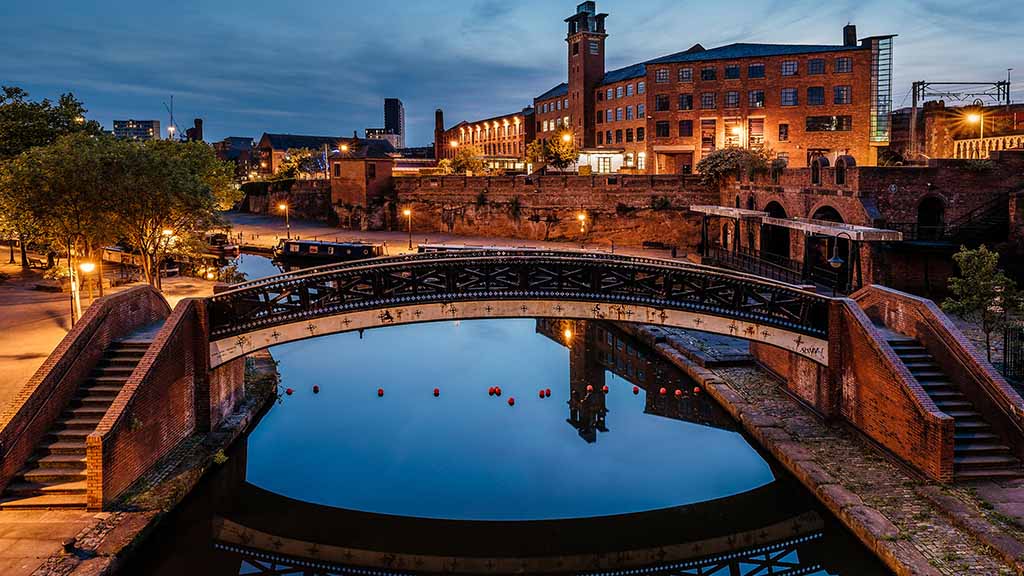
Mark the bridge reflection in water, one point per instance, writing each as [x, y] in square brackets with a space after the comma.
[234, 527]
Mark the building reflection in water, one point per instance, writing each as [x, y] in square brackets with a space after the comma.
[599, 347]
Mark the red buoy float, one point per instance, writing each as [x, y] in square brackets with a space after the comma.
[380, 392]
[511, 401]
[289, 391]
[437, 392]
[590, 388]
[679, 393]
[541, 393]
[490, 391]
[316, 389]
[636, 390]
[547, 392]
[497, 390]
[696, 389]
[663, 391]
[604, 389]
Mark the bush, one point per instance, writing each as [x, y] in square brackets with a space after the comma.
[721, 164]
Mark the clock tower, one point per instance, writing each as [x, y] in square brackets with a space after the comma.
[585, 41]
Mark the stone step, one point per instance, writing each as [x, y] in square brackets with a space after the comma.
[965, 436]
[987, 474]
[61, 461]
[68, 435]
[44, 502]
[959, 405]
[60, 447]
[125, 370]
[41, 488]
[100, 390]
[930, 386]
[909, 346]
[971, 425]
[51, 475]
[967, 448]
[91, 411]
[915, 356]
[130, 345]
[105, 379]
[930, 374]
[946, 393]
[86, 423]
[933, 380]
[96, 401]
[963, 414]
[972, 462]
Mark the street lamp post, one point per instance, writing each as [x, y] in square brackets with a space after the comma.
[287, 223]
[87, 268]
[978, 118]
[408, 223]
[836, 262]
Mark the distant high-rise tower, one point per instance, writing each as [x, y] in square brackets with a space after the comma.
[137, 129]
[394, 119]
[585, 37]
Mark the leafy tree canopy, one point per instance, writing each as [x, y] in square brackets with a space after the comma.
[725, 162]
[982, 293]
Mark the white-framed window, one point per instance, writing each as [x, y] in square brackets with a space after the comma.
[661, 75]
[629, 89]
[641, 160]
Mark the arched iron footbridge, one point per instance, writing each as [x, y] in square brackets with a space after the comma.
[514, 284]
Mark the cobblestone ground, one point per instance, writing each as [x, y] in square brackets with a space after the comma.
[882, 484]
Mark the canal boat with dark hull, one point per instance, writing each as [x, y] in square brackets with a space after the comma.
[319, 251]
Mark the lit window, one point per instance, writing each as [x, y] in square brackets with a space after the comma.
[686, 74]
[816, 66]
[790, 97]
[789, 68]
[829, 123]
[641, 160]
[844, 65]
[629, 159]
[661, 75]
[783, 132]
[843, 95]
[756, 99]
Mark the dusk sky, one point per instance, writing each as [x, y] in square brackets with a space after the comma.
[325, 67]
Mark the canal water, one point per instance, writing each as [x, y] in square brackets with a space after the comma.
[407, 455]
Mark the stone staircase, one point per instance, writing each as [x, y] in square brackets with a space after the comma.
[54, 476]
[978, 452]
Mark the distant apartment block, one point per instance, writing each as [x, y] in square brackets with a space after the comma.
[136, 129]
[394, 119]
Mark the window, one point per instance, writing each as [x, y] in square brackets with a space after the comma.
[843, 95]
[565, 104]
[629, 134]
[755, 99]
[755, 132]
[790, 97]
[789, 68]
[661, 75]
[610, 94]
[709, 73]
[629, 112]
[618, 92]
[708, 128]
[816, 96]
[595, 48]
[755, 71]
[661, 103]
[641, 87]
[640, 108]
[608, 137]
[732, 99]
[829, 123]
[600, 96]
[708, 100]
[609, 115]
[686, 101]
[575, 48]
[558, 123]
[844, 65]
[783, 132]
[629, 156]
[732, 72]
[661, 129]
[641, 160]
[337, 169]
[816, 66]
[600, 117]
[545, 126]
[600, 138]
[558, 105]
[640, 132]
[618, 136]
[686, 74]
[629, 89]
[618, 114]
[371, 170]
[604, 164]
[685, 128]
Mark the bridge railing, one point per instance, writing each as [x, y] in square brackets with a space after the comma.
[515, 275]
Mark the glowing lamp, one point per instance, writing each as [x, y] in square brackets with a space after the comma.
[974, 118]
[566, 138]
[736, 130]
[567, 334]
[344, 147]
[406, 212]
[87, 267]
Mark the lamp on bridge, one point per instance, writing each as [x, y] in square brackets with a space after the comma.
[836, 261]
[283, 207]
[408, 220]
[977, 118]
[582, 217]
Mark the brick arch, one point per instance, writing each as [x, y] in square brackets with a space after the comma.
[828, 204]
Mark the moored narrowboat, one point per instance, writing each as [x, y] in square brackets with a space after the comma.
[323, 251]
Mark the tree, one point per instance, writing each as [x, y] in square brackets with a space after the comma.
[537, 153]
[168, 194]
[725, 162]
[467, 160]
[562, 153]
[301, 161]
[982, 293]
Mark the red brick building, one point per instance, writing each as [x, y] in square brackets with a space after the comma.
[663, 115]
[500, 140]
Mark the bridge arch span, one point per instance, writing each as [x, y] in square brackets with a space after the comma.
[514, 284]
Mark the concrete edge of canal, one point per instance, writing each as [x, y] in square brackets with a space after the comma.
[897, 549]
[103, 548]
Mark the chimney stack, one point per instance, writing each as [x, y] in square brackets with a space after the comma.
[849, 35]
[439, 146]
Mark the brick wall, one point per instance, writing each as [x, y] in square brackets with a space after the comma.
[921, 319]
[47, 393]
[306, 199]
[628, 210]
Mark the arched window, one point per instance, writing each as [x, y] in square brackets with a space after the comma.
[775, 239]
[737, 201]
[751, 203]
[840, 172]
[817, 163]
